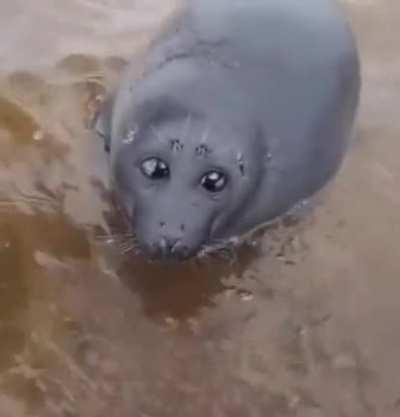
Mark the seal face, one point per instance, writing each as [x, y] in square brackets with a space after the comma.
[179, 185]
[244, 109]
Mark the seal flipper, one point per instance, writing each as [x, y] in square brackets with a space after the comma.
[102, 123]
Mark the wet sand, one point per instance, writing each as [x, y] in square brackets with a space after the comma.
[304, 325]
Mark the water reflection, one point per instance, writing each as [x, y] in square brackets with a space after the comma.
[181, 291]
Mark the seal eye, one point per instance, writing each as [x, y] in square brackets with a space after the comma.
[214, 181]
[154, 168]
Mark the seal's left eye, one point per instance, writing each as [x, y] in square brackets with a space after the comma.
[214, 181]
[154, 168]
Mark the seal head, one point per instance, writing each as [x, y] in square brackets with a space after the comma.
[177, 183]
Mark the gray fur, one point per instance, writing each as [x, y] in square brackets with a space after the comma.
[267, 90]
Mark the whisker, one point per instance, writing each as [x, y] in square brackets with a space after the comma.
[125, 242]
[131, 241]
[225, 249]
[126, 247]
[127, 250]
[134, 249]
[115, 236]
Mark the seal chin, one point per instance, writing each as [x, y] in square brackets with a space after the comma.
[167, 249]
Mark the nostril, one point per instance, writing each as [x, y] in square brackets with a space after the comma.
[162, 224]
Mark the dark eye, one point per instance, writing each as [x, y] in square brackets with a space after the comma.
[154, 168]
[214, 181]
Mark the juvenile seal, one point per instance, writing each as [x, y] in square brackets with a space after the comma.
[244, 109]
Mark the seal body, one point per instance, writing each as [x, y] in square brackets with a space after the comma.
[245, 108]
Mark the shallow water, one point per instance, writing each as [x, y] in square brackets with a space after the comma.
[306, 324]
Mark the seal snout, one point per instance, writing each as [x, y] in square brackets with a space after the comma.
[169, 247]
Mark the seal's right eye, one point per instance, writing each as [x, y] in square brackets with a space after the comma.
[154, 168]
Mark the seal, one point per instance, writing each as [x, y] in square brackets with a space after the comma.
[244, 108]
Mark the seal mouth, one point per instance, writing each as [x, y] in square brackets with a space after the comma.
[173, 251]
[169, 249]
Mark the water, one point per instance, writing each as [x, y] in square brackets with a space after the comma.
[305, 325]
